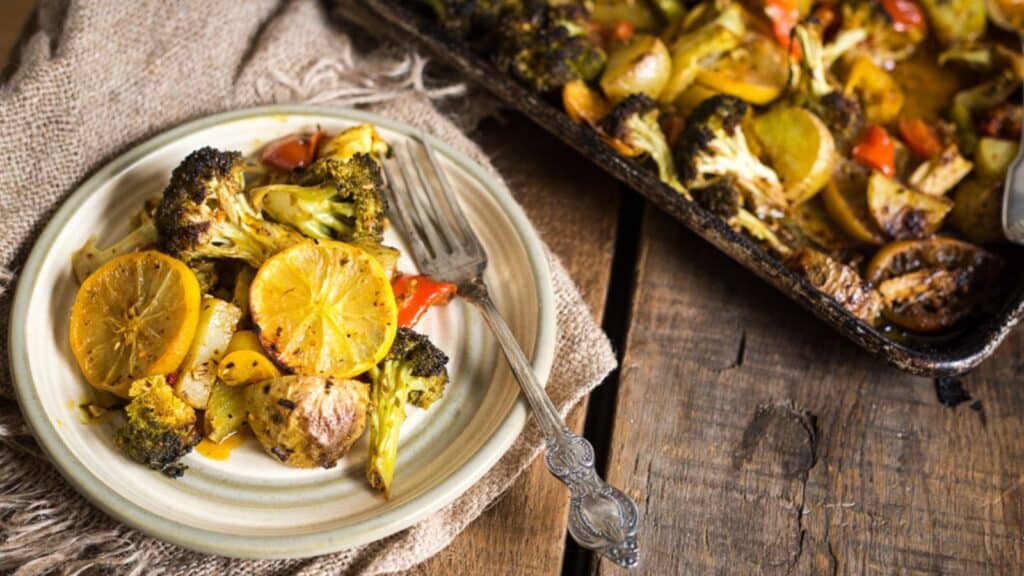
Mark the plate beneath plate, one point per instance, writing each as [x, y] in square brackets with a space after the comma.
[250, 505]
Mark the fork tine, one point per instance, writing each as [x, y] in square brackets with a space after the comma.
[419, 193]
[399, 195]
[451, 204]
[434, 202]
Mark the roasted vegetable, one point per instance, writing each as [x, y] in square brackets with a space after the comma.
[955, 21]
[89, 257]
[811, 86]
[204, 213]
[359, 139]
[641, 66]
[994, 156]
[412, 373]
[714, 145]
[940, 174]
[756, 72]
[546, 46]
[881, 98]
[928, 285]
[846, 201]
[217, 322]
[904, 213]
[335, 200]
[307, 421]
[243, 367]
[696, 50]
[584, 104]
[839, 281]
[972, 102]
[978, 210]
[633, 129]
[160, 428]
[722, 198]
[799, 147]
[472, 18]
[226, 412]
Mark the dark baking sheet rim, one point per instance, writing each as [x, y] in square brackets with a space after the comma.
[970, 348]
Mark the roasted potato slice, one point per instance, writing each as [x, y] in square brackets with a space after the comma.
[641, 66]
[904, 213]
[756, 72]
[846, 201]
[217, 322]
[977, 210]
[941, 173]
[929, 285]
[225, 413]
[799, 147]
[993, 156]
[307, 421]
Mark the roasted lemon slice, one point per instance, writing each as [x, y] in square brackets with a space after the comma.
[324, 308]
[132, 318]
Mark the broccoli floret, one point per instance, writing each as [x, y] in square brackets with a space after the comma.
[414, 373]
[721, 197]
[811, 86]
[160, 429]
[713, 145]
[89, 258]
[471, 19]
[634, 124]
[204, 213]
[547, 46]
[334, 200]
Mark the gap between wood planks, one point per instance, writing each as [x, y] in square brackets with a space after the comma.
[600, 417]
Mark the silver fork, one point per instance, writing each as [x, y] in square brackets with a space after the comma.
[601, 517]
[1013, 195]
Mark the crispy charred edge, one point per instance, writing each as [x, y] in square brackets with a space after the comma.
[636, 105]
[839, 281]
[425, 360]
[720, 197]
[189, 184]
[360, 180]
[720, 112]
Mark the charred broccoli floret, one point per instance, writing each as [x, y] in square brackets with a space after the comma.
[713, 146]
[204, 213]
[160, 427]
[546, 46]
[633, 123]
[414, 373]
[721, 197]
[812, 88]
[334, 200]
[471, 19]
[89, 258]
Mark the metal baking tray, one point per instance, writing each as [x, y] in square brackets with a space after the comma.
[947, 355]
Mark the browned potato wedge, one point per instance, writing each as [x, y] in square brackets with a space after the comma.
[942, 173]
[640, 67]
[846, 201]
[308, 421]
[225, 413]
[977, 210]
[799, 147]
[904, 213]
[217, 322]
[994, 156]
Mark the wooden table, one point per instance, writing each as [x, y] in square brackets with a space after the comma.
[756, 440]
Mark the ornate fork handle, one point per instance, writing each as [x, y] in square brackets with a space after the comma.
[601, 517]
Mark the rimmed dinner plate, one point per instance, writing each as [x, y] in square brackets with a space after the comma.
[250, 505]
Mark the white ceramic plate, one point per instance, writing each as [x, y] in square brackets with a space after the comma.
[250, 505]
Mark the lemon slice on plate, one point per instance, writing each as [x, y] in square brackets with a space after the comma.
[134, 317]
[324, 308]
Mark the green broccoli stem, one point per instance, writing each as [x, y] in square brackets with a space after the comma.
[388, 397]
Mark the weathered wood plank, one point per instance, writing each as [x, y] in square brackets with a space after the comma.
[760, 442]
[574, 207]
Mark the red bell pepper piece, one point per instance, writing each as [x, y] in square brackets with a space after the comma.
[906, 15]
[920, 138]
[415, 294]
[876, 150]
[784, 16]
[292, 152]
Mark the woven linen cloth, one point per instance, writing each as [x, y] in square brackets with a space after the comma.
[93, 77]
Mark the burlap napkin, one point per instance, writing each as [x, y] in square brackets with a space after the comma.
[95, 76]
